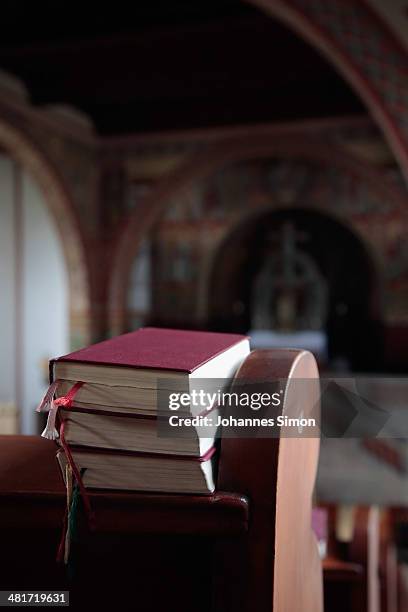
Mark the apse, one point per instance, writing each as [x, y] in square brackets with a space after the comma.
[300, 277]
[34, 296]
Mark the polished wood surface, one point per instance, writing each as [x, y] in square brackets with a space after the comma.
[37, 483]
[281, 569]
[337, 570]
[365, 549]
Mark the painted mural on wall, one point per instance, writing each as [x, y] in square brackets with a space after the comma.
[185, 242]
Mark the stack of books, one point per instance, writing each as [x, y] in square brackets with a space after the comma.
[111, 426]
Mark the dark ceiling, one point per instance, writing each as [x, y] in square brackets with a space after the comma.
[148, 66]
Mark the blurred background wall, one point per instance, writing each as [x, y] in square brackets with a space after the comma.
[34, 305]
[229, 165]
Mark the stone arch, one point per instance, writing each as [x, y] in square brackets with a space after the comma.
[364, 51]
[203, 165]
[343, 302]
[247, 218]
[26, 152]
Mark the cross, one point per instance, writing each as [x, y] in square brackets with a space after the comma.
[288, 238]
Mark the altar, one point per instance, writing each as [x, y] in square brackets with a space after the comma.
[289, 303]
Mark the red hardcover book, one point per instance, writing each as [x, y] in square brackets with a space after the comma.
[143, 471]
[106, 384]
[157, 349]
[123, 377]
[125, 373]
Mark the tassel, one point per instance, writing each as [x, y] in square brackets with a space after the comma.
[77, 497]
[47, 405]
[50, 432]
[46, 402]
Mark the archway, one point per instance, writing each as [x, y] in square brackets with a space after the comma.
[44, 277]
[300, 270]
[24, 150]
[361, 47]
[204, 166]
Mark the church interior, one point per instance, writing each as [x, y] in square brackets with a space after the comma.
[232, 166]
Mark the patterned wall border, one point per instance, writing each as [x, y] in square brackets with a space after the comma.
[356, 41]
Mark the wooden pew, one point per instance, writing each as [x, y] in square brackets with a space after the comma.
[250, 546]
[362, 573]
[388, 571]
[398, 526]
[349, 567]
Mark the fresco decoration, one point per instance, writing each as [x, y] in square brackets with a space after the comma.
[375, 54]
[199, 219]
[368, 54]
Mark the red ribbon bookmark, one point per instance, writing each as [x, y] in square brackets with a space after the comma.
[51, 432]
